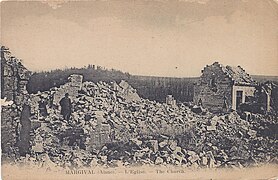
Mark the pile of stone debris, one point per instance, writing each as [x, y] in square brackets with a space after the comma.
[112, 126]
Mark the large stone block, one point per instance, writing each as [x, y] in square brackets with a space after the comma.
[76, 80]
[100, 136]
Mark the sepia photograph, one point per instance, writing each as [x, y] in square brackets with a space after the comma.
[139, 89]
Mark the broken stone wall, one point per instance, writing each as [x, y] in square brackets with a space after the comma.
[72, 88]
[269, 96]
[274, 98]
[9, 123]
[212, 88]
[14, 77]
[76, 80]
[99, 136]
[170, 100]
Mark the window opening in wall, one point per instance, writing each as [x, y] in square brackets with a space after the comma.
[212, 84]
[239, 95]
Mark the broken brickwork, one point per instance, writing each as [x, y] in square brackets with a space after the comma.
[76, 80]
[170, 100]
[212, 87]
[110, 127]
[220, 87]
[72, 88]
[14, 77]
[269, 96]
[99, 136]
[9, 124]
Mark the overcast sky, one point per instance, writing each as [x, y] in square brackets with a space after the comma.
[161, 38]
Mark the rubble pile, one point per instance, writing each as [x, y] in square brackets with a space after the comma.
[212, 141]
[112, 126]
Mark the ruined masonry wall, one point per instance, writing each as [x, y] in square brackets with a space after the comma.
[213, 96]
[14, 77]
[9, 123]
[72, 87]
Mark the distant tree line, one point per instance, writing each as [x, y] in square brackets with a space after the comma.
[157, 88]
[42, 81]
[153, 88]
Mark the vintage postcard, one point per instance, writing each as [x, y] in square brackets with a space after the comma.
[139, 89]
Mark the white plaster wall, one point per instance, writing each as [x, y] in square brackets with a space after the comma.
[246, 91]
